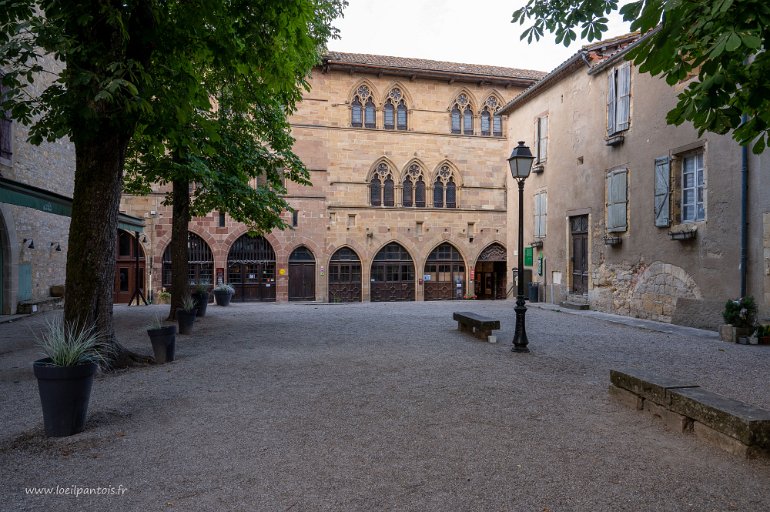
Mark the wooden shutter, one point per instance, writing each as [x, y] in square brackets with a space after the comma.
[611, 103]
[541, 207]
[662, 191]
[617, 200]
[542, 134]
[624, 97]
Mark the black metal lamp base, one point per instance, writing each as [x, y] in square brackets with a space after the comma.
[520, 341]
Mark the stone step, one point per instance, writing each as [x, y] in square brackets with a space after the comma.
[574, 305]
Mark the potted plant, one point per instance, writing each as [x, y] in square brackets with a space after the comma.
[200, 295]
[740, 316]
[763, 334]
[223, 293]
[163, 297]
[73, 353]
[163, 339]
[185, 315]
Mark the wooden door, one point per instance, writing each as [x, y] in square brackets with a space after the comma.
[301, 281]
[579, 257]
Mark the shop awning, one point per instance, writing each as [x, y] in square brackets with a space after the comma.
[21, 194]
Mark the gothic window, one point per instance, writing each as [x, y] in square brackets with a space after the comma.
[362, 111]
[491, 121]
[413, 187]
[462, 116]
[395, 110]
[200, 261]
[445, 189]
[381, 186]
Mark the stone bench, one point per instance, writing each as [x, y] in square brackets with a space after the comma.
[477, 325]
[732, 425]
[27, 307]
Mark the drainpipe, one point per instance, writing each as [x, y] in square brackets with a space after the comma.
[744, 211]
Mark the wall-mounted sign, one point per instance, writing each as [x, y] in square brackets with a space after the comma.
[281, 271]
[426, 277]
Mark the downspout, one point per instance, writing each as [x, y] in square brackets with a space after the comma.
[744, 211]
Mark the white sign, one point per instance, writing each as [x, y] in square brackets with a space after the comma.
[426, 277]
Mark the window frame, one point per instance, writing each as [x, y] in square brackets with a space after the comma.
[6, 130]
[619, 99]
[541, 139]
[698, 189]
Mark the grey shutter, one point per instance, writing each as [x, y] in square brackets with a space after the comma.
[537, 215]
[543, 141]
[662, 192]
[611, 103]
[617, 199]
[624, 97]
[543, 212]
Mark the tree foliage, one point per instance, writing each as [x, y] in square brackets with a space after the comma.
[146, 70]
[717, 46]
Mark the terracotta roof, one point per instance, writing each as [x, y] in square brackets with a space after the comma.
[422, 65]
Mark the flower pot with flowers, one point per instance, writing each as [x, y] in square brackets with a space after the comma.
[740, 316]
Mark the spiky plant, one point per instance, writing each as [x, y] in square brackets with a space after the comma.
[69, 344]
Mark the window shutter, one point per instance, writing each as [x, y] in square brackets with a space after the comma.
[617, 199]
[611, 104]
[543, 156]
[624, 97]
[541, 206]
[662, 192]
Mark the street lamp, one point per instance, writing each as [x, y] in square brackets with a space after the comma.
[520, 162]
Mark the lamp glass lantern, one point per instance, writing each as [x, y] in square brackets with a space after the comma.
[520, 161]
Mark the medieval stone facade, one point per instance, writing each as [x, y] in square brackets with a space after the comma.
[407, 161]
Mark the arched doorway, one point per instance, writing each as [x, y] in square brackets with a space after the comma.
[301, 274]
[392, 275]
[200, 261]
[444, 274]
[345, 276]
[490, 273]
[251, 269]
[126, 268]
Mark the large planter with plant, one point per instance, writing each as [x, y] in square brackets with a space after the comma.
[740, 316]
[223, 293]
[163, 339]
[200, 295]
[185, 315]
[65, 376]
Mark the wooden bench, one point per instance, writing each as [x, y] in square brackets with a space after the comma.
[477, 325]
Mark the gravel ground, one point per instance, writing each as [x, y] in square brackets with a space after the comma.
[382, 407]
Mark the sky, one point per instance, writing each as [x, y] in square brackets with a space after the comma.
[473, 32]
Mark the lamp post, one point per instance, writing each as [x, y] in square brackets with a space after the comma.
[520, 162]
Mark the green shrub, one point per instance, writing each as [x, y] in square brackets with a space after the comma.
[741, 312]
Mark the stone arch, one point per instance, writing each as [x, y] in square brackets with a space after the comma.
[393, 273]
[375, 93]
[359, 98]
[345, 281]
[492, 251]
[492, 102]
[382, 181]
[444, 176]
[657, 289]
[9, 247]
[472, 101]
[404, 90]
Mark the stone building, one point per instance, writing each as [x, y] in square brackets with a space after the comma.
[627, 213]
[408, 202]
[36, 184]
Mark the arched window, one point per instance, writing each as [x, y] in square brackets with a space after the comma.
[251, 269]
[490, 113]
[461, 111]
[345, 276]
[362, 110]
[199, 258]
[381, 186]
[395, 110]
[392, 275]
[413, 188]
[444, 188]
[446, 274]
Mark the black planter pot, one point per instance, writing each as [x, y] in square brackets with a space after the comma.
[163, 343]
[64, 395]
[185, 319]
[201, 301]
[222, 298]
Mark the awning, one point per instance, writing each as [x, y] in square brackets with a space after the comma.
[21, 194]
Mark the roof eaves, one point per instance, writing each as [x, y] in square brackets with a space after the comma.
[565, 67]
[620, 55]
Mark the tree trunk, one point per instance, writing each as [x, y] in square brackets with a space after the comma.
[93, 231]
[180, 286]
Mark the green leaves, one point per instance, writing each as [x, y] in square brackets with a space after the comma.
[717, 45]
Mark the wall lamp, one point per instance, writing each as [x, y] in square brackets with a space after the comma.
[31, 243]
[58, 246]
